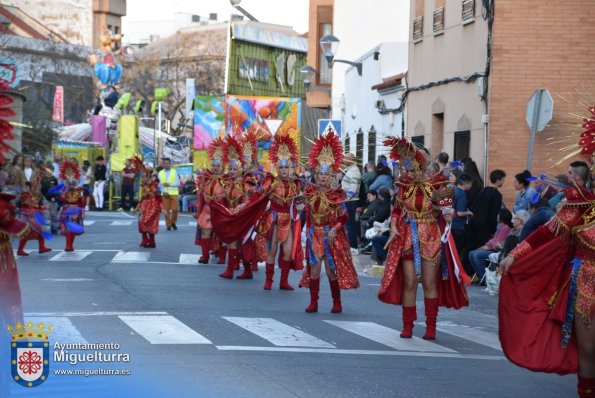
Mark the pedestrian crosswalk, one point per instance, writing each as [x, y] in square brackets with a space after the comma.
[231, 333]
[128, 222]
[119, 256]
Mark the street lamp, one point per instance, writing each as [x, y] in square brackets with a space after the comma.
[329, 45]
[307, 73]
[236, 5]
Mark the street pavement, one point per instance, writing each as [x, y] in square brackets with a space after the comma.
[190, 333]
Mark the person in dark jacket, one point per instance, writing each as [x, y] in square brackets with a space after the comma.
[485, 212]
[541, 212]
[379, 213]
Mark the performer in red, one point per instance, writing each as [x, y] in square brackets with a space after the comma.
[547, 291]
[416, 243]
[281, 224]
[10, 291]
[234, 195]
[325, 225]
[30, 213]
[73, 203]
[210, 187]
[149, 205]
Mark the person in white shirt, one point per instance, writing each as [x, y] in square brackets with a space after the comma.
[28, 168]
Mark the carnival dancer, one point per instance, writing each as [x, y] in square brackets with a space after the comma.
[30, 212]
[210, 187]
[325, 225]
[547, 291]
[282, 224]
[149, 205]
[73, 203]
[420, 245]
[10, 291]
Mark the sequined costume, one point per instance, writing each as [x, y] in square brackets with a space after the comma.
[73, 203]
[149, 211]
[10, 291]
[551, 282]
[30, 212]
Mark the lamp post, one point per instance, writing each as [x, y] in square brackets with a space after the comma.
[236, 5]
[329, 45]
[307, 73]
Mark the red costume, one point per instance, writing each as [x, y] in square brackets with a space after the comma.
[210, 188]
[30, 211]
[149, 205]
[418, 220]
[73, 203]
[10, 291]
[325, 213]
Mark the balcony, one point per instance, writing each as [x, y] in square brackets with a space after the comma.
[468, 11]
[418, 29]
[438, 21]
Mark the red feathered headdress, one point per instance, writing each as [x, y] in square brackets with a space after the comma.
[249, 142]
[327, 152]
[403, 150]
[5, 126]
[232, 151]
[283, 149]
[68, 170]
[137, 164]
[587, 141]
[215, 151]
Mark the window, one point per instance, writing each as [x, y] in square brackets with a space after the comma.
[438, 24]
[462, 143]
[359, 149]
[109, 28]
[116, 29]
[468, 11]
[347, 143]
[372, 144]
[324, 76]
[418, 31]
[419, 140]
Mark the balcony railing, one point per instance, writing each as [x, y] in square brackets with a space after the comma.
[468, 11]
[418, 29]
[438, 24]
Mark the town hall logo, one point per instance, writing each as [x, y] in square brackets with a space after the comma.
[30, 358]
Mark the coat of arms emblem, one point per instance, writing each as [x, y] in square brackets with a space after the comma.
[30, 358]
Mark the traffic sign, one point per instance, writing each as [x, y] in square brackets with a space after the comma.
[326, 126]
[540, 109]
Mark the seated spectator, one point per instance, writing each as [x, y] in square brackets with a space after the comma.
[379, 213]
[541, 212]
[521, 183]
[383, 177]
[369, 175]
[478, 257]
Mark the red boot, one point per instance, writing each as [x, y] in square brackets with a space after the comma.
[151, 244]
[42, 246]
[247, 274]
[336, 294]
[255, 266]
[269, 272]
[21, 251]
[314, 290]
[586, 387]
[222, 253]
[283, 283]
[409, 315]
[234, 261]
[431, 307]
[145, 240]
[205, 247]
[69, 242]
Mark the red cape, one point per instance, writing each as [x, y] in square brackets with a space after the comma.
[530, 330]
[230, 227]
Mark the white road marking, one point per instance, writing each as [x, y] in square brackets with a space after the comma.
[192, 223]
[362, 352]
[389, 337]
[67, 279]
[87, 223]
[124, 222]
[131, 257]
[93, 313]
[162, 223]
[77, 255]
[278, 333]
[63, 329]
[475, 335]
[164, 329]
[189, 258]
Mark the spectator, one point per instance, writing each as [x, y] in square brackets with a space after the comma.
[442, 160]
[351, 184]
[383, 177]
[189, 193]
[378, 213]
[100, 177]
[462, 212]
[519, 219]
[541, 212]
[478, 257]
[523, 198]
[561, 182]
[453, 176]
[470, 168]
[485, 211]
[16, 179]
[128, 176]
[432, 170]
[56, 165]
[369, 175]
[87, 182]
[28, 169]
[3, 176]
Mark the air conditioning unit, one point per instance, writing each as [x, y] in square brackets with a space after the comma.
[380, 104]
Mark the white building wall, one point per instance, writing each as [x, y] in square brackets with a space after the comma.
[361, 25]
[359, 111]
